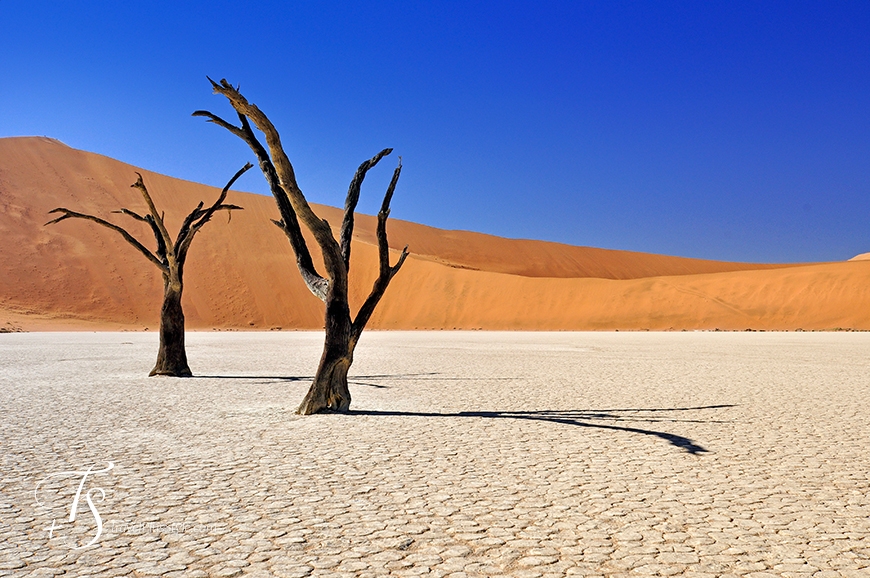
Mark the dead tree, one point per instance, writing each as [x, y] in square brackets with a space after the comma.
[329, 391]
[169, 258]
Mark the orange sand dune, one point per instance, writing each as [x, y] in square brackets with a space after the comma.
[241, 273]
[467, 250]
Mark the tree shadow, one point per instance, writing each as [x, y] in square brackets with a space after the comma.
[579, 418]
[243, 377]
[352, 380]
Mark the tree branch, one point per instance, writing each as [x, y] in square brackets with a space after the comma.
[213, 118]
[284, 168]
[386, 272]
[161, 245]
[184, 231]
[383, 215]
[351, 202]
[149, 219]
[67, 214]
[289, 222]
[199, 217]
[158, 219]
[130, 213]
[204, 216]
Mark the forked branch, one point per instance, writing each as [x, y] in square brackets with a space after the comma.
[351, 202]
[289, 223]
[386, 271]
[199, 216]
[287, 177]
[158, 218]
[68, 214]
[158, 236]
[168, 255]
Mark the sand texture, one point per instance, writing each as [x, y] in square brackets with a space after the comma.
[467, 455]
[241, 274]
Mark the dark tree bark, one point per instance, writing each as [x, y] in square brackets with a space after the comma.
[172, 354]
[329, 391]
[169, 257]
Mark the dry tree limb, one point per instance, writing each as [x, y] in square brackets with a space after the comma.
[386, 271]
[289, 223]
[68, 214]
[351, 201]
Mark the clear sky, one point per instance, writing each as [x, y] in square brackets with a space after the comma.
[723, 130]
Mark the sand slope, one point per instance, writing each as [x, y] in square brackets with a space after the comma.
[241, 274]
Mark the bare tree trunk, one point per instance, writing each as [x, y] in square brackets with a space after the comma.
[329, 391]
[172, 356]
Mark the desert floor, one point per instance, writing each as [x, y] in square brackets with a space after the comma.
[468, 453]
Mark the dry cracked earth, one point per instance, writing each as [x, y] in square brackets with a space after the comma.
[466, 454]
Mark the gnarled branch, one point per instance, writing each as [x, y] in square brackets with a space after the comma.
[199, 216]
[386, 272]
[158, 219]
[289, 223]
[287, 178]
[149, 219]
[68, 214]
[130, 213]
[213, 118]
[351, 202]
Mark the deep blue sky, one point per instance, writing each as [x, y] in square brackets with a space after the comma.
[722, 130]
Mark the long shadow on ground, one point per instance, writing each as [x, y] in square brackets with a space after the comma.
[352, 380]
[578, 418]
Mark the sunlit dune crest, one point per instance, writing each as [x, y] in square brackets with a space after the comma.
[242, 274]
